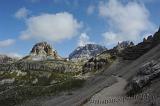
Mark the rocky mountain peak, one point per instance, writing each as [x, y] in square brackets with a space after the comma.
[43, 51]
[86, 52]
[42, 48]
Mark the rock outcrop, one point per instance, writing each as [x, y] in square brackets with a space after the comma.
[98, 62]
[86, 52]
[148, 72]
[42, 51]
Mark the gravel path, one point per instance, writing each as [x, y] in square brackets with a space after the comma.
[107, 96]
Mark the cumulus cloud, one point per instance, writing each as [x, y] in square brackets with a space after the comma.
[51, 27]
[22, 13]
[8, 42]
[84, 39]
[90, 9]
[126, 21]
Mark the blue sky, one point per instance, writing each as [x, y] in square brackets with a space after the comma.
[66, 24]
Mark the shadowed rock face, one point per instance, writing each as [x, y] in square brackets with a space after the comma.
[132, 53]
[42, 51]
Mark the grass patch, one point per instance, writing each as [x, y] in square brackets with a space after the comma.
[24, 89]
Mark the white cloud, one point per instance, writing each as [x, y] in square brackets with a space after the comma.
[24, 36]
[110, 38]
[90, 9]
[126, 21]
[22, 13]
[7, 42]
[84, 39]
[51, 27]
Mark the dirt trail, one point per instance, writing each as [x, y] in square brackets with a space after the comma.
[113, 92]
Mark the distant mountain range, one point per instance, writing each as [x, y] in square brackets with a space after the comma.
[43, 51]
[7, 59]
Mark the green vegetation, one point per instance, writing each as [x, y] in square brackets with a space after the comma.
[33, 84]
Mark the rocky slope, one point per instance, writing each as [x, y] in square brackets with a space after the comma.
[142, 78]
[147, 73]
[143, 73]
[42, 51]
[86, 52]
[132, 53]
